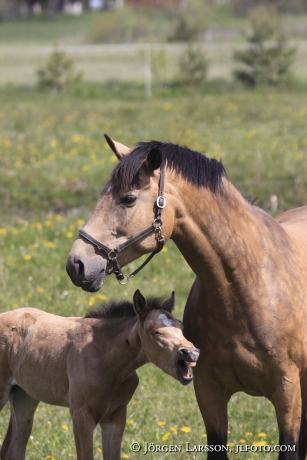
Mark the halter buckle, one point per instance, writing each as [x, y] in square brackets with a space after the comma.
[161, 202]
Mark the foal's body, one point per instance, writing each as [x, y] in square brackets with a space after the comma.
[87, 364]
[247, 310]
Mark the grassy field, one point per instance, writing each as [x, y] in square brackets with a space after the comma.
[53, 163]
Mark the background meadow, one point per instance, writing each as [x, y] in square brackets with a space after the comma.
[53, 163]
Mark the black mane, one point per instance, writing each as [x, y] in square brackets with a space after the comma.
[191, 165]
[120, 309]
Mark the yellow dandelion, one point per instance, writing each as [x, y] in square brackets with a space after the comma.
[130, 421]
[58, 218]
[77, 138]
[91, 301]
[204, 435]
[49, 457]
[64, 427]
[173, 429]
[259, 443]
[49, 244]
[48, 223]
[248, 433]
[261, 435]
[242, 440]
[126, 456]
[27, 257]
[230, 444]
[99, 450]
[186, 429]
[164, 249]
[3, 231]
[101, 297]
[80, 222]
[40, 289]
[37, 225]
[166, 436]
[69, 234]
[161, 423]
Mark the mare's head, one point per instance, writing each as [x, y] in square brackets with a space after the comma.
[162, 339]
[128, 205]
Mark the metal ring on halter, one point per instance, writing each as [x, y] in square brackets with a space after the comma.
[158, 223]
[123, 282]
[113, 251]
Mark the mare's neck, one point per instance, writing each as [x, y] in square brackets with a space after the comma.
[223, 238]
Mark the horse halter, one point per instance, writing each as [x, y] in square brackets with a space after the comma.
[155, 227]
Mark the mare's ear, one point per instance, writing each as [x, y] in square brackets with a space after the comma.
[140, 304]
[119, 149]
[169, 304]
[153, 160]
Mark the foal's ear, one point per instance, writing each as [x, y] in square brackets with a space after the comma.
[169, 304]
[153, 160]
[119, 149]
[140, 304]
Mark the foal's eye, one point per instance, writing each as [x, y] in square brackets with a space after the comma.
[155, 333]
[128, 200]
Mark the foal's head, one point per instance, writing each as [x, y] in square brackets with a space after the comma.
[162, 339]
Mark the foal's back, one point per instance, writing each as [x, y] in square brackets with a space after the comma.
[35, 347]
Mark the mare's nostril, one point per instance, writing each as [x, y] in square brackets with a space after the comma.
[76, 270]
[79, 268]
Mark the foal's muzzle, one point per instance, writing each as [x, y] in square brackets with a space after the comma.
[186, 358]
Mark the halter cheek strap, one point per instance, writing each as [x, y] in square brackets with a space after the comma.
[155, 227]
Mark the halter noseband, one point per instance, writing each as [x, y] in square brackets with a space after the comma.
[156, 227]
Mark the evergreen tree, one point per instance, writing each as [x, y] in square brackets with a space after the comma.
[269, 57]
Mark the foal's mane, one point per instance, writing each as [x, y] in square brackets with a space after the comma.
[120, 309]
[191, 165]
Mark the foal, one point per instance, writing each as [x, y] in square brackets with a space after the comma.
[87, 364]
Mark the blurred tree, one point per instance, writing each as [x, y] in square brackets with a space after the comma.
[269, 57]
[8, 9]
[193, 66]
[58, 73]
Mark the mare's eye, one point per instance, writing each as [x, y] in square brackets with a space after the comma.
[128, 200]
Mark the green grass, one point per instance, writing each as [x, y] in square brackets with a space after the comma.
[53, 163]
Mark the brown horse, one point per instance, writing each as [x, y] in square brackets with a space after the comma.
[87, 364]
[247, 310]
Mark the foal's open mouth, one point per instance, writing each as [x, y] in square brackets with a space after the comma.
[184, 374]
